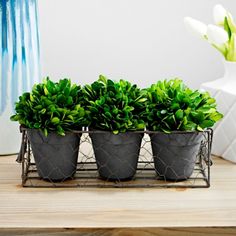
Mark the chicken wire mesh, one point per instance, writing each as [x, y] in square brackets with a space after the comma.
[101, 159]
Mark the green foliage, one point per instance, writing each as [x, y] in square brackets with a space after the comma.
[172, 106]
[51, 107]
[115, 106]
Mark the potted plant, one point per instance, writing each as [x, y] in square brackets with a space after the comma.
[179, 115]
[49, 113]
[116, 110]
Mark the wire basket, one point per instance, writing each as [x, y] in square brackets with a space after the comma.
[88, 172]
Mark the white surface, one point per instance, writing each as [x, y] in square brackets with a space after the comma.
[138, 40]
[224, 90]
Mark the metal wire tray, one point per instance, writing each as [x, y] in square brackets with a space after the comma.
[87, 172]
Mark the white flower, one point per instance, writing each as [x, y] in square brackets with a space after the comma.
[216, 35]
[219, 14]
[195, 26]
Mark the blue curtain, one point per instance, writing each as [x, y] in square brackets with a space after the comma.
[19, 49]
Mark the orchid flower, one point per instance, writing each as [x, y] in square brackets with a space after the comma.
[219, 14]
[216, 35]
[195, 26]
[222, 36]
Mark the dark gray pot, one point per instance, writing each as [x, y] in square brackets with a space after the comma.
[55, 156]
[175, 154]
[116, 154]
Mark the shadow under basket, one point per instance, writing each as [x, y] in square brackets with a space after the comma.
[85, 170]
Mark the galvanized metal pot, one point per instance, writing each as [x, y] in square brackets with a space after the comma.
[175, 154]
[116, 154]
[55, 156]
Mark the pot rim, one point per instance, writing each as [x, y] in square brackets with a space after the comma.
[177, 132]
[23, 128]
[91, 130]
[145, 131]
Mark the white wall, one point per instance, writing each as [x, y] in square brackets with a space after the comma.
[138, 40]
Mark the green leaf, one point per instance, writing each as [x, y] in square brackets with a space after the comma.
[115, 111]
[211, 101]
[140, 126]
[197, 102]
[103, 79]
[69, 100]
[70, 117]
[231, 24]
[175, 106]
[198, 116]
[190, 126]
[206, 110]
[37, 125]
[179, 114]
[195, 95]
[185, 120]
[50, 86]
[199, 128]
[43, 111]
[216, 117]
[31, 98]
[81, 112]
[46, 91]
[166, 131]
[61, 98]
[108, 114]
[60, 131]
[55, 120]
[66, 91]
[14, 118]
[38, 107]
[45, 131]
[226, 27]
[142, 100]
[207, 124]
[63, 84]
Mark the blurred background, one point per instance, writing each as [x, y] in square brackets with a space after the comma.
[138, 40]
